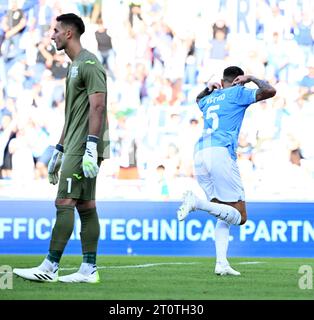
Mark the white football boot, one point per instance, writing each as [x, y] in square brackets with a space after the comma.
[46, 272]
[188, 205]
[225, 269]
[86, 274]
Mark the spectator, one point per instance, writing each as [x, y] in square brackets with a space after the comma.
[220, 29]
[59, 66]
[7, 132]
[296, 156]
[135, 14]
[104, 45]
[22, 158]
[3, 76]
[158, 186]
[304, 35]
[307, 82]
[14, 24]
[44, 58]
[44, 15]
[85, 8]
[171, 160]
[277, 59]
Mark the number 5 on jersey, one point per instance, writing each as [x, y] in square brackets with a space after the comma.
[210, 114]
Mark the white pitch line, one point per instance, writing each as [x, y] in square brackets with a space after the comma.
[147, 265]
[251, 262]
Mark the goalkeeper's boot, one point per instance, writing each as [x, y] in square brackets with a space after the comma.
[188, 205]
[87, 273]
[225, 269]
[46, 272]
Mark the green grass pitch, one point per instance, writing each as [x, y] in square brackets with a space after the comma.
[165, 278]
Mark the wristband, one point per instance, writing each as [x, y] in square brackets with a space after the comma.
[92, 138]
[59, 147]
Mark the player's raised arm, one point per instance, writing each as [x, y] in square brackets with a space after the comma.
[265, 90]
[211, 86]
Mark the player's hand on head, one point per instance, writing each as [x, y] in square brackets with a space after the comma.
[55, 164]
[89, 165]
[213, 85]
[241, 80]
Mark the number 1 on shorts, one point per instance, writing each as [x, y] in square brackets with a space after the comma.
[69, 180]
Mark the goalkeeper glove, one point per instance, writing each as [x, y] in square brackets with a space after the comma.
[90, 167]
[55, 164]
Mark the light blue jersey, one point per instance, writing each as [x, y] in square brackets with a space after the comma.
[223, 112]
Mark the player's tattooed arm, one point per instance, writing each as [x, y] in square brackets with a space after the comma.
[211, 86]
[264, 91]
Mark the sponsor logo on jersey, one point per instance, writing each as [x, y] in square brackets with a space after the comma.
[74, 72]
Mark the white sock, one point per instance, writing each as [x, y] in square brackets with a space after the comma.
[220, 211]
[87, 268]
[222, 241]
[49, 266]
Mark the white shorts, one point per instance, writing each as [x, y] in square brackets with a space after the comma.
[218, 174]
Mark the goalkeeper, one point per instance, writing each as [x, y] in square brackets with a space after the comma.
[84, 143]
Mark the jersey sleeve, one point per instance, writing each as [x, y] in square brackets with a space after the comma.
[94, 78]
[202, 103]
[245, 96]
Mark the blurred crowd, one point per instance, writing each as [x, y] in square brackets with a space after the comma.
[158, 55]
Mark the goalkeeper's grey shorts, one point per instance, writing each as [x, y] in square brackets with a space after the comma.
[72, 183]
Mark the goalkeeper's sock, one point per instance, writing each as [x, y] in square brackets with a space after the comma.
[220, 211]
[222, 241]
[89, 234]
[61, 232]
[89, 257]
[54, 256]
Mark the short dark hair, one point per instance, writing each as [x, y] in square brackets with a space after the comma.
[72, 19]
[231, 73]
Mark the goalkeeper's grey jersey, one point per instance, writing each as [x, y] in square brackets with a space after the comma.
[86, 76]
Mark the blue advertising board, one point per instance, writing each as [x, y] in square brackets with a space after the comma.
[151, 228]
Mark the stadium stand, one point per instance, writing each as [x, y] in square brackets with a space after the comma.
[157, 61]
